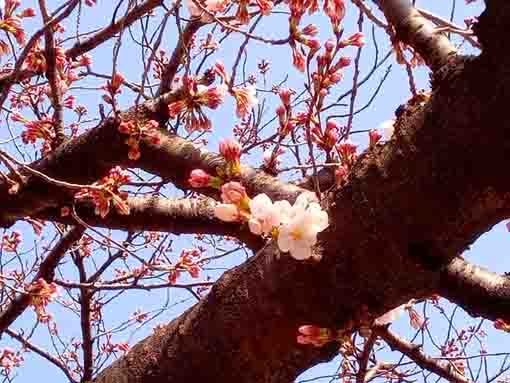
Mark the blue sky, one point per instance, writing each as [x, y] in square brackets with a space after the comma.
[489, 250]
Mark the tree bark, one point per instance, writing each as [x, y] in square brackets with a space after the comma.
[397, 227]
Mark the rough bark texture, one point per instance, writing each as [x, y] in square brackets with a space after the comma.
[408, 210]
[397, 227]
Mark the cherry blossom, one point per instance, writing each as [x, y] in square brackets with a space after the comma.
[265, 215]
[300, 227]
[246, 100]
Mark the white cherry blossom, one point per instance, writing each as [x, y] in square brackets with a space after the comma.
[300, 226]
[265, 215]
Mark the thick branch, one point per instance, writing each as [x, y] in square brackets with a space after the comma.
[408, 208]
[478, 291]
[104, 147]
[414, 29]
[180, 216]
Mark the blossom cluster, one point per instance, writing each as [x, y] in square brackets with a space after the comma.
[207, 9]
[187, 263]
[11, 23]
[295, 226]
[138, 132]
[105, 193]
[11, 242]
[41, 128]
[42, 293]
[9, 359]
[196, 96]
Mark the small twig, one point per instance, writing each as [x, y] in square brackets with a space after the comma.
[413, 352]
[32, 347]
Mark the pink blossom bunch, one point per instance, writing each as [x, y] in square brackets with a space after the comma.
[190, 106]
[106, 193]
[11, 242]
[187, 262]
[9, 359]
[41, 294]
[137, 133]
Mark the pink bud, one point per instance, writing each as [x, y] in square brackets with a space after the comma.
[374, 137]
[314, 44]
[29, 12]
[310, 330]
[233, 192]
[117, 81]
[285, 96]
[199, 178]
[310, 30]
[231, 150]
[329, 45]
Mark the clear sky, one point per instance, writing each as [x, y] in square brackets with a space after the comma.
[489, 250]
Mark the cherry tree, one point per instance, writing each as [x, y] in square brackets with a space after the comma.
[153, 152]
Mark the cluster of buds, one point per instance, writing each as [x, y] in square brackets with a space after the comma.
[327, 139]
[272, 159]
[201, 179]
[314, 335]
[41, 294]
[194, 98]
[335, 10]
[36, 59]
[347, 151]
[329, 73]
[231, 152]
[113, 88]
[235, 206]
[11, 23]
[187, 262]
[356, 40]
[109, 347]
[284, 113]
[11, 242]
[37, 129]
[106, 192]
[138, 132]
[245, 96]
[9, 359]
[373, 137]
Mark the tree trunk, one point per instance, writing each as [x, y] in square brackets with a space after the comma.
[397, 229]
